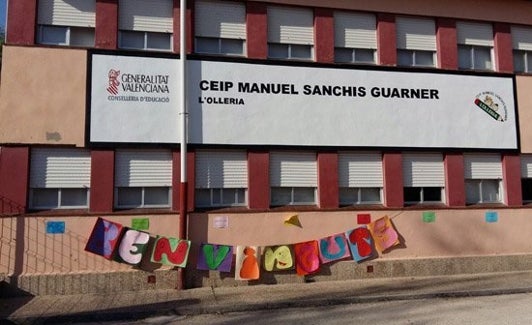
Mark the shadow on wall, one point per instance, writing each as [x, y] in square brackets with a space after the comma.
[27, 247]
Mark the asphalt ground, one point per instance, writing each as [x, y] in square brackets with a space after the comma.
[132, 305]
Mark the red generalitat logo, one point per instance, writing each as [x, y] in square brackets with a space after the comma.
[113, 81]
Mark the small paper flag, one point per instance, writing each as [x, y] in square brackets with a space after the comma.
[293, 220]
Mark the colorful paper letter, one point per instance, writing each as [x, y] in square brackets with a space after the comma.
[132, 246]
[360, 243]
[247, 263]
[383, 233]
[278, 258]
[170, 251]
[307, 257]
[215, 257]
[104, 238]
[333, 248]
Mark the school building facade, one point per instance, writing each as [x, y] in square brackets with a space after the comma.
[305, 120]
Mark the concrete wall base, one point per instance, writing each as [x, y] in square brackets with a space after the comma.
[86, 283]
[377, 268]
[136, 280]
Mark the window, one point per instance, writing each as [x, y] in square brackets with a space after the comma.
[416, 42]
[526, 178]
[59, 178]
[293, 178]
[290, 33]
[145, 24]
[355, 37]
[220, 27]
[475, 46]
[221, 178]
[360, 178]
[143, 178]
[522, 45]
[423, 178]
[66, 22]
[483, 175]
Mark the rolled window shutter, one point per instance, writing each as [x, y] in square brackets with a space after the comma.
[80, 13]
[416, 34]
[355, 30]
[60, 168]
[423, 170]
[360, 169]
[293, 169]
[482, 166]
[220, 19]
[470, 33]
[143, 168]
[290, 25]
[526, 166]
[522, 38]
[221, 169]
[146, 15]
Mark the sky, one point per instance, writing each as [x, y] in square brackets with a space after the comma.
[3, 13]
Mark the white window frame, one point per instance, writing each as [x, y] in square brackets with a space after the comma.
[359, 172]
[416, 36]
[522, 48]
[221, 174]
[66, 16]
[480, 169]
[422, 171]
[293, 173]
[472, 37]
[220, 22]
[143, 170]
[290, 30]
[146, 17]
[56, 170]
[145, 40]
[356, 34]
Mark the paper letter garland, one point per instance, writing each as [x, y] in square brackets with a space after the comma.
[307, 257]
[278, 258]
[104, 238]
[383, 233]
[247, 263]
[114, 241]
[333, 248]
[360, 243]
[170, 251]
[132, 246]
[215, 257]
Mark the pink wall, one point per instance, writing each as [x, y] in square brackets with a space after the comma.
[102, 181]
[189, 27]
[503, 47]
[21, 19]
[258, 179]
[14, 169]
[176, 183]
[257, 30]
[386, 39]
[324, 35]
[447, 49]
[511, 174]
[328, 180]
[106, 34]
[454, 180]
[392, 167]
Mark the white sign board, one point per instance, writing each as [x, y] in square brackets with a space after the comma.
[261, 104]
[134, 99]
